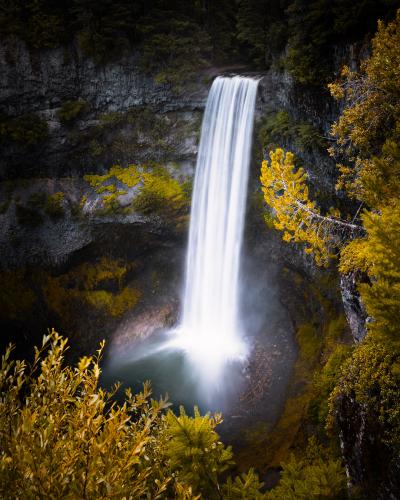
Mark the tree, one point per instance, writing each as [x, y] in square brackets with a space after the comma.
[295, 214]
[314, 476]
[368, 133]
[380, 252]
[314, 26]
[261, 29]
[186, 441]
[368, 130]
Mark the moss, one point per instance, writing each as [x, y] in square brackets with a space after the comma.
[114, 304]
[71, 110]
[334, 332]
[16, 298]
[27, 130]
[278, 128]
[325, 381]
[158, 191]
[96, 286]
[129, 176]
[54, 205]
[88, 276]
[310, 343]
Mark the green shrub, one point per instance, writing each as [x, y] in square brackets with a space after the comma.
[279, 128]
[27, 130]
[313, 476]
[371, 377]
[72, 110]
[324, 383]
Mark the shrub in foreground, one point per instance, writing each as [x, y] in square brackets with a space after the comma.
[63, 436]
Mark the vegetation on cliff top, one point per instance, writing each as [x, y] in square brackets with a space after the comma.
[176, 37]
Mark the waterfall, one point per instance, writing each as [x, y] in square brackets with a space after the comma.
[210, 330]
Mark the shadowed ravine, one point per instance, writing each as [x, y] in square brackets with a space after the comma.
[211, 357]
[223, 355]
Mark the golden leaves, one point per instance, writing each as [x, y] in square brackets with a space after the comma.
[63, 436]
[295, 214]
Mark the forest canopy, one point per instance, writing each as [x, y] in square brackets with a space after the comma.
[177, 37]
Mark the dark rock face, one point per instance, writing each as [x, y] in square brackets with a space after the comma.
[353, 306]
[130, 118]
[40, 82]
[372, 465]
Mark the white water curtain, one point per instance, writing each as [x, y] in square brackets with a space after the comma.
[210, 323]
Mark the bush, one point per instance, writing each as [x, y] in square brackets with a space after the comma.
[72, 110]
[27, 130]
[371, 378]
[63, 436]
[158, 192]
[314, 476]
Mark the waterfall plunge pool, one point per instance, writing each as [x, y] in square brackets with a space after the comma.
[203, 360]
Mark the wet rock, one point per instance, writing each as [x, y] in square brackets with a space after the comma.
[353, 306]
[372, 465]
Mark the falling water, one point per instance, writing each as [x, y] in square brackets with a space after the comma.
[201, 360]
[210, 329]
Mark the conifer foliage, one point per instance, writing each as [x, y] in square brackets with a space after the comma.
[295, 214]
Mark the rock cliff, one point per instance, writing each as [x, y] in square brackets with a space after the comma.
[94, 117]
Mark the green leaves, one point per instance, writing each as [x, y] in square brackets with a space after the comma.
[194, 451]
[315, 476]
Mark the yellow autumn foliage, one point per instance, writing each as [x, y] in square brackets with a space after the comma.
[286, 191]
[62, 435]
[371, 117]
[85, 285]
[382, 252]
[157, 190]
